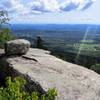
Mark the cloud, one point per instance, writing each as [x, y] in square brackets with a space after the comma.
[14, 6]
[85, 4]
[43, 6]
[76, 5]
[68, 6]
[55, 6]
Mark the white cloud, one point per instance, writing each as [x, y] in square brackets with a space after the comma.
[85, 4]
[14, 6]
[55, 6]
[18, 6]
[40, 6]
[50, 5]
[76, 4]
[68, 5]
[45, 5]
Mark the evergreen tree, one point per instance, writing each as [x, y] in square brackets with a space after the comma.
[39, 42]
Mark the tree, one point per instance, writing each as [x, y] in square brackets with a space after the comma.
[40, 43]
[3, 17]
[96, 67]
[4, 32]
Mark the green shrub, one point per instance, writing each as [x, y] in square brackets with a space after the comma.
[4, 32]
[51, 95]
[4, 36]
[14, 90]
[96, 68]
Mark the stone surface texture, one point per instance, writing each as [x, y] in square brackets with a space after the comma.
[17, 47]
[1, 51]
[72, 82]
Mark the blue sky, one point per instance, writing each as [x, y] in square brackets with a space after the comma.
[53, 11]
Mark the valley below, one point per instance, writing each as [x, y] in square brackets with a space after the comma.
[79, 44]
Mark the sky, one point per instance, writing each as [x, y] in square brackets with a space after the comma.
[52, 11]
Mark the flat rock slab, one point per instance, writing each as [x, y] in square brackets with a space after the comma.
[72, 82]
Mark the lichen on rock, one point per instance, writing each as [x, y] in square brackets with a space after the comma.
[17, 47]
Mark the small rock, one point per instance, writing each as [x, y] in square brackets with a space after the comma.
[17, 47]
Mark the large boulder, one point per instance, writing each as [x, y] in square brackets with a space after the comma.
[17, 47]
[45, 71]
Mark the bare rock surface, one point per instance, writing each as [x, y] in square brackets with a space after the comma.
[17, 47]
[1, 51]
[72, 82]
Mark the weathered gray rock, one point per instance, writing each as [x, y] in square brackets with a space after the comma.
[72, 82]
[18, 46]
[1, 51]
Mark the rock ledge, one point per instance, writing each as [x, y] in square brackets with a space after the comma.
[45, 71]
